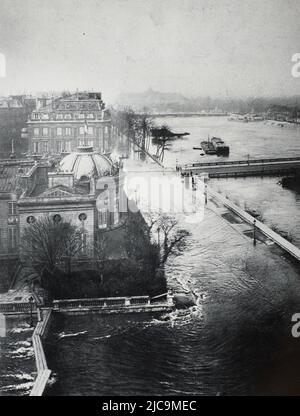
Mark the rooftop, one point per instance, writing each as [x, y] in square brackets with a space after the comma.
[85, 163]
[10, 176]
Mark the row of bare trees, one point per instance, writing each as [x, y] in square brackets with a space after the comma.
[49, 247]
[139, 128]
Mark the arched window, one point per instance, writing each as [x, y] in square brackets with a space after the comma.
[84, 242]
[31, 219]
[82, 216]
[56, 218]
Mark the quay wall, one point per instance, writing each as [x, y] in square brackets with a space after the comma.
[43, 372]
[280, 241]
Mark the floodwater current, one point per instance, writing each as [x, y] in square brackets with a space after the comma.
[237, 339]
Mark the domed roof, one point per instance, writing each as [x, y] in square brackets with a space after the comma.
[85, 163]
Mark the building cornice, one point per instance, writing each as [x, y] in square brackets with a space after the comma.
[82, 122]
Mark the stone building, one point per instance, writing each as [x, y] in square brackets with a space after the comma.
[68, 122]
[82, 190]
[15, 177]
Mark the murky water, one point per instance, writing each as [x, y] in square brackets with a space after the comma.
[256, 139]
[17, 363]
[279, 208]
[237, 339]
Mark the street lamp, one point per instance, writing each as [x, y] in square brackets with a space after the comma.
[254, 232]
[31, 317]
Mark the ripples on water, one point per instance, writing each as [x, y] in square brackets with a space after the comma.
[237, 339]
[16, 360]
[235, 342]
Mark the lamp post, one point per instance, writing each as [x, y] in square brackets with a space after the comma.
[254, 232]
[205, 193]
[31, 317]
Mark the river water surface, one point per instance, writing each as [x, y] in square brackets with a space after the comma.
[237, 339]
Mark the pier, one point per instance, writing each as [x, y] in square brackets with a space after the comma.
[265, 230]
[251, 167]
[43, 372]
[111, 305]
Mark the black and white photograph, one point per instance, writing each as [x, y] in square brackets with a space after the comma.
[149, 201]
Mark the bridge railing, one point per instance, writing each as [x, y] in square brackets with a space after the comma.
[17, 307]
[101, 302]
[242, 162]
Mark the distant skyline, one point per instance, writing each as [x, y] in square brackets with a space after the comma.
[191, 47]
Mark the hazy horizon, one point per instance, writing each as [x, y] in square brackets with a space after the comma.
[190, 47]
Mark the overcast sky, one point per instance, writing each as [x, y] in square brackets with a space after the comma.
[194, 47]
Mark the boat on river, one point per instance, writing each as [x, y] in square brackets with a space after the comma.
[220, 147]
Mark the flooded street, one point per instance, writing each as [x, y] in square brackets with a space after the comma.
[237, 339]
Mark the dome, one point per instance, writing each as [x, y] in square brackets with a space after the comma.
[85, 163]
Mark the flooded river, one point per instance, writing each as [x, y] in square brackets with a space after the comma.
[237, 339]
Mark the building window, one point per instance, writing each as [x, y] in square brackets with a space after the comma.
[45, 116]
[59, 116]
[68, 146]
[31, 219]
[45, 131]
[58, 146]
[90, 130]
[82, 216]
[68, 131]
[81, 116]
[12, 208]
[44, 147]
[68, 117]
[12, 237]
[56, 218]
[35, 147]
[36, 131]
[102, 219]
[35, 116]
[83, 243]
[59, 131]
[90, 143]
[90, 116]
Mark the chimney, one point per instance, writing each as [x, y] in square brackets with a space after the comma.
[92, 186]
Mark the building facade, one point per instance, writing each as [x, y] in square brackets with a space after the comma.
[79, 191]
[68, 122]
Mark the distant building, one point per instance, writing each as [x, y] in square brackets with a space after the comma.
[60, 125]
[14, 111]
[15, 177]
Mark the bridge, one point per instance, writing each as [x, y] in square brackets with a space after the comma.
[249, 167]
[189, 114]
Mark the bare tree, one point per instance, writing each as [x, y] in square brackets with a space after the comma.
[100, 252]
[46, 244]
[173, 240]
[143, 126]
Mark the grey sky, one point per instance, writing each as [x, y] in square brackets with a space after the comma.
[195, 47]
